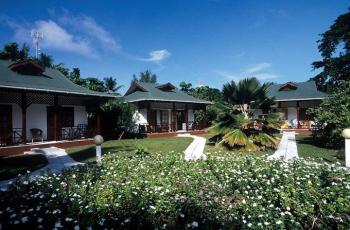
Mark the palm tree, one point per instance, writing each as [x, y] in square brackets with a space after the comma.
[46, 60]
[111, 85]
[146, 76]
[236, 127]
[246, 94]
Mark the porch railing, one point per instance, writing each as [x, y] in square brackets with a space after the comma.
[164, 128]
[15, 136]
[76, 132]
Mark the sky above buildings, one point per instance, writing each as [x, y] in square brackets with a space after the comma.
[206, 42]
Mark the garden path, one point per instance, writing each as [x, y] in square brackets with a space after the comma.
[195, 150]
[57, 159]
[287, 147]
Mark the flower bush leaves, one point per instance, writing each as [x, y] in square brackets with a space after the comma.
[164, 191]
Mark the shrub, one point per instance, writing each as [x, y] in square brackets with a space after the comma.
[164, 191]
[333, 116]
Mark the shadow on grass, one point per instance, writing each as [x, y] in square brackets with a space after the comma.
[11, 166]
[87, 153]
[311, 147]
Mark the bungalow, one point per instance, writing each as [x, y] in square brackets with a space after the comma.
[163, 108]
[293, 99]
[38, 103]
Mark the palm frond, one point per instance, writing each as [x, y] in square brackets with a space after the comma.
[236, 138]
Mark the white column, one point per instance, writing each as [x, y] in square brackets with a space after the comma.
[346, 135]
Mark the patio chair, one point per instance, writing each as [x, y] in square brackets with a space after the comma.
[37, 134]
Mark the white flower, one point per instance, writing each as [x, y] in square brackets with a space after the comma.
[58, 225]
[249, 225]
[24, 219]
[194, 224]
[76, 227]
[279, 222]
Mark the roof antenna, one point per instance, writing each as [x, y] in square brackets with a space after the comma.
[37, 37]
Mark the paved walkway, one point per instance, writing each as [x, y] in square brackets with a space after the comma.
[57, 159]
[287, 149]
[195, 150]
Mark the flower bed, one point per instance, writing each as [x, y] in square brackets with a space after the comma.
[164, 191]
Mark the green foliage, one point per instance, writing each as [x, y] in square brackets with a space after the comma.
[332, 116]
[146, 76]
[334, 48]
[64, 70]
[207, 93]
[252, 134]
[164, 191]
[46, 60]
[247, 94]
[112, 85]
[117, 117]
[141, 150]
[235, 125]
[186, 87]
[13, 53]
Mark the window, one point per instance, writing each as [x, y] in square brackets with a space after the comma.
[164, 116]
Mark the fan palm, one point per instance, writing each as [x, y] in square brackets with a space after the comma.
[247, 93]
[236, 127]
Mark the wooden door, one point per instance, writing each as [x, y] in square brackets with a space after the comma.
[152, 120]
[5, 124]
[65, 118]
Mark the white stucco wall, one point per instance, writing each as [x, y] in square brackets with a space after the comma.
[37, 118]
[190, 115]
[80, 115]
[16, 116]
[292, 115]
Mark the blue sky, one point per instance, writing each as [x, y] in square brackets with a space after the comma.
[202, 42]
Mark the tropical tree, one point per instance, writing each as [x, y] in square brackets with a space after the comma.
[13, 53]
[117, 117]
[146, 76]
[245, 95]
[111, 84]
[95, 84]
[332, 116]
[334, 47]
[60, 67]
[46, 60]
[236, 127]
[186, 87]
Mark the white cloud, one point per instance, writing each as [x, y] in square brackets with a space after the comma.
[56, 37]
[157, 56]
[87, 25]
[77, 34]
[258, 67]
[254, 71]
[228, 75]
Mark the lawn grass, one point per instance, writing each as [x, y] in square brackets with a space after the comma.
[160, 145]
[11, 166]
[308, 147]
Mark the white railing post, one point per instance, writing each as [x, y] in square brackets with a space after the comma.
[346, 135]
